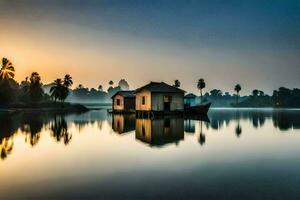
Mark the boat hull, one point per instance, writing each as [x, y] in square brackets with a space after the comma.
[198, 109]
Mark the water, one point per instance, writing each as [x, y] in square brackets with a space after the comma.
[231, 154]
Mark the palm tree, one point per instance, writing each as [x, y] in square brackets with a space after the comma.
[110, 82]
[56, 89]
[100, 88]
[177, 83]
[35, 78]
[35, 87]
[200, 86]
[68, 82]
[255, 92]
[7, 70]
[261, 93]
[80, 86]
[237, 88]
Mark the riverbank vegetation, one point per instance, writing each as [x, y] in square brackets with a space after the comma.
[281, 98]
[32, 93]
[29, 94]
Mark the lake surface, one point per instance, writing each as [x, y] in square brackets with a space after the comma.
[230, 154]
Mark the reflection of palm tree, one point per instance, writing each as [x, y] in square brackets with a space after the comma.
[238, 128]
[32, 127]
[59, 130]
[33, 138]
[7, 70]
[6, 146]
[201, 139]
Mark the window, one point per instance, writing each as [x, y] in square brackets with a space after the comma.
[118, 102]
[143, 100]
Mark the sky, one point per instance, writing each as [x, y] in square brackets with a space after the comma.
[255, 43]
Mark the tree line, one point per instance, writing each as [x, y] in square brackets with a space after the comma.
[31, 90]
[281, 98]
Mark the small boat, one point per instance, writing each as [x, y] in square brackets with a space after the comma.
[197, 109]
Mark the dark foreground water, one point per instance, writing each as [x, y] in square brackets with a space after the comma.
[231, 154]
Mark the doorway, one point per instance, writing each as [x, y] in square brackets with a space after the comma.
[167, 103]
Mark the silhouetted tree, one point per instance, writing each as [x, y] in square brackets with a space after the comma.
[8, 86]
[201, 85]
[80, 86]
[216, 93]
[100, 88]
[68, 82]
[60, 89]
[35, 87]
[57, 89]
[255, 93]
[177, 83]
[123, 84]
[237, 88]
[285, 97]
[80, 91]
[261, 93]
[7, 70]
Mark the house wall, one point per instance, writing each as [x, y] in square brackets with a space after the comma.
[158, 101]
[118, 107]
[129, 104]
[138, 100]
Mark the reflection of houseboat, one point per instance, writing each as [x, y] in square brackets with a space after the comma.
[189, 126]
[123, 102]
[159, 132]
[122, 123]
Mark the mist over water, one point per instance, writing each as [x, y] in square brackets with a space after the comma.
[228, 154]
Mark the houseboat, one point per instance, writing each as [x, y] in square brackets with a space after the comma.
[158, 98]
[123, 102]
